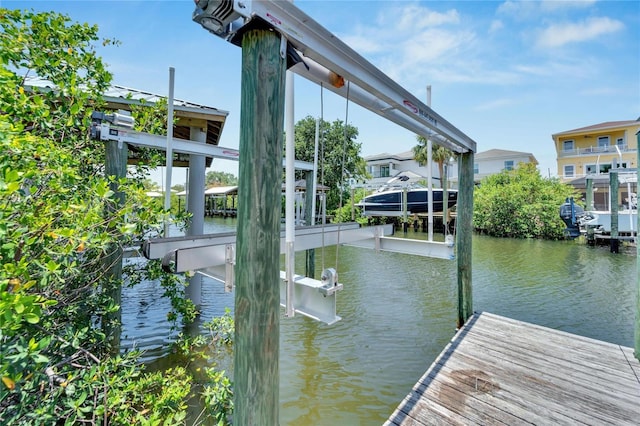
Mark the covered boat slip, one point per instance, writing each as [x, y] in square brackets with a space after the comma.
[498, 370]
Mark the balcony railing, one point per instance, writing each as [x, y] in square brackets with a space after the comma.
[595, 150]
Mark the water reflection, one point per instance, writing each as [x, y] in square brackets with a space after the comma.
[399, 312]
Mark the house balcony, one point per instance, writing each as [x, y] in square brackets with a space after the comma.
[595, 150]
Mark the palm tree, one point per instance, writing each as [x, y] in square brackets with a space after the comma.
[439, 154]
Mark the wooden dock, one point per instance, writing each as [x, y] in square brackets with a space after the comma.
[498, 370]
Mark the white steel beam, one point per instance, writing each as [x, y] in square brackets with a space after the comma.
[313, 235]
[368, 86]
[115, 133]
[213, 252]
[408, 246]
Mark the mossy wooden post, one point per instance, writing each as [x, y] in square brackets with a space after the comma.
[257, 293]
[464, 223]
[445, 200]
[637, 328]
[115, 168]
[589, 193]
[613, 188]
[310, 261]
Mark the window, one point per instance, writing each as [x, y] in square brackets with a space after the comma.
[476, 168]
[567, 145]
[603, 141]
[384, 171]
[569, 170]
[620, 141]
[508, 165]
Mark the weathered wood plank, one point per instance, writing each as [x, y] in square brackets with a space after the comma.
[574, 401]
[543, 356]
[562, 373]
[557, 345]
[497, 370]
[516, 408]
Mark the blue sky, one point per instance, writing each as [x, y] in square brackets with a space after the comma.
[507, 73]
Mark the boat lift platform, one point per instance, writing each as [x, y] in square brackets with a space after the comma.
[213, 255]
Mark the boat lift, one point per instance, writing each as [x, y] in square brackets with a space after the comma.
[317, 55]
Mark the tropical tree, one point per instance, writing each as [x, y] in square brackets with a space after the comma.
[215, 178]
[61, 216]
[339, 156]
[439, 154]
[520, 203]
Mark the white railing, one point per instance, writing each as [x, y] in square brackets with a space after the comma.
[591, 150]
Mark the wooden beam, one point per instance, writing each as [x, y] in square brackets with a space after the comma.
[464, 224]
[116, 168]
[257, 296]
[637, 328]
[613, 191]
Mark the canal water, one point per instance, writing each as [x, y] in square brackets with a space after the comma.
[399, 312]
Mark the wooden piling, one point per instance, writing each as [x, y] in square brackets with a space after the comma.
[115, 167]
[589, 193]
[464, 224]
[637, 328]
[613, 191]
[257, 294]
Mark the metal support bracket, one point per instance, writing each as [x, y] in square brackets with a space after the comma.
[311, 298]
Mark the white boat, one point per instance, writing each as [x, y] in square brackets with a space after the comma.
[389, 200]
[600, 221]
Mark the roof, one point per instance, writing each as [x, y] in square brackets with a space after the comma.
[188, 114]
[607, 125]
[221, 190]
[493, 154]
[401, 156]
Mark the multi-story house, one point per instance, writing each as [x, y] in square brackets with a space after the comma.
[383, 167]
[593, 150]
[494, 161]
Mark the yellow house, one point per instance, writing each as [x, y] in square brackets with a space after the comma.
[593, 150]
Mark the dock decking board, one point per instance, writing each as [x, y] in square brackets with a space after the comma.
[498, 370]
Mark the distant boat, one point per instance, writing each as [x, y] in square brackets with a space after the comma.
[387, 201]
[579, 221]
[600, 221]
[571, 214]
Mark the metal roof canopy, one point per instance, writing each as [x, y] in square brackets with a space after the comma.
[324, 54]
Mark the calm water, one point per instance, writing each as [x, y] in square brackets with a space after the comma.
[398, 313]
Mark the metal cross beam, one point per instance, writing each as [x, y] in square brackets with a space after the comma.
[195, 253]
[326, 55]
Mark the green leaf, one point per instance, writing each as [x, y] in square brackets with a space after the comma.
[32, 318]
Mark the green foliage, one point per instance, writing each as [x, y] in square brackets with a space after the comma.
[60, 218]
[439, 154]
[343, 214]
[339, 156]
[520, 204]
[215, 178]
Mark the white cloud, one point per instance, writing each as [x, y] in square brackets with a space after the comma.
[558, 35]
[524, 10]
[415, 17]
[555, 5]
[496, 25]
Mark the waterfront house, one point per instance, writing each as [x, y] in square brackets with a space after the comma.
[487, 163]
[383, 167]
[594, 149]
